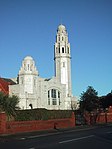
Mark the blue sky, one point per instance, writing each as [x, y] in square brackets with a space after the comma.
[28, 27]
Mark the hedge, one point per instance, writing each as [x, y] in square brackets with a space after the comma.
[41, 114]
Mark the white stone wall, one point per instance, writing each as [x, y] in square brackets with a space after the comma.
[39, 97]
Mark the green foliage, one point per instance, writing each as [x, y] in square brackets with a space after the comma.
[106, 101]
[89, 100]
[8, 104]
[41, 114]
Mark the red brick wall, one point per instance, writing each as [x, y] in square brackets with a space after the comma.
[28, 126]
[2, 122]
[103, 117]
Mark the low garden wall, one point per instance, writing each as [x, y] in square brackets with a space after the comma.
[99, 118]
[11, 127]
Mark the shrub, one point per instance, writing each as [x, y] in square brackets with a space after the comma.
[41, 114]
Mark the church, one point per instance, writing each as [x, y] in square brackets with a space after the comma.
[54, 93]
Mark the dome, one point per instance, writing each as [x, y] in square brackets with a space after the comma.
[61, 27]
[28, 66]
[28, 58]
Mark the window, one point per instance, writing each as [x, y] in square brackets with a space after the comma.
[58, 94]
[48, 97]
[28, 66]
[53, 97]
[59, 97]
[59, 50]
[54, 101]
[48, 94]
[24, 66]
[62, 49]
[31, 67]
[48, 101]
[62, 38]
[53, 93]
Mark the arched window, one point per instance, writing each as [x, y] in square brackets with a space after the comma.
[53, 97]
[28, 66]
[59, 50]
[24, 66]
[59, 97]
[48, 97]
[63, 50]
[62, 38]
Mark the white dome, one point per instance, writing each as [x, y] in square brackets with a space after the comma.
[28, 66]
[61, 27]
[28, 58]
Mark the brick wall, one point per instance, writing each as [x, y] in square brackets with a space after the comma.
[102, 117]
[2, 122]
[28, 126]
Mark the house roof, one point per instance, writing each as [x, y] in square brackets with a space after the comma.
[11, 82]
[4, 85]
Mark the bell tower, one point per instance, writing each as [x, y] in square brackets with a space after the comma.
[62, 59]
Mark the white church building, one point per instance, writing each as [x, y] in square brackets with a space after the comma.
[54, 93]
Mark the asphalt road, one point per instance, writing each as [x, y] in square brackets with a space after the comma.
[87, 137]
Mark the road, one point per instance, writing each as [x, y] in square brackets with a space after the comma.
[87, 137]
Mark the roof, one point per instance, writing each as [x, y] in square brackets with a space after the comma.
[4, 85]
[47, 79]
[11, 82]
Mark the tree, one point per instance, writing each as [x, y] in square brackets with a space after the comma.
[89, 100]
[8, 104]
[106, 101]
